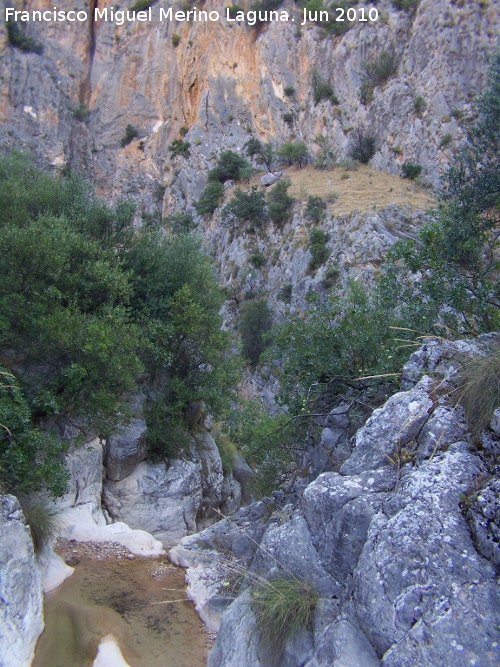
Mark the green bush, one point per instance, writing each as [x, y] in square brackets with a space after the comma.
[362, 147]
[411, 170]
[267, 442]
[380, 69]
[81, 113]
[315, 209]
[285, 293]
[255, 322]
[89, 307]
[180, 223]
[279, 203]
[446, 140]
[258, 260]
[29, 459]
[130, 134]
[326, 158]
[419, 105]
[318, 248]
[183, 131]
[289, 91]
[406, 5]
[230, 166]
[324, 91]
[283, 605]
[263, 153]
[141, 5]
[233, 10]
[288, 118]
[21, 41]
[210, 198]
[176, 40]
[179, 147]
[248, 206]
[294, 152]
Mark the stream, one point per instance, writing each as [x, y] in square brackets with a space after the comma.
[128, 600]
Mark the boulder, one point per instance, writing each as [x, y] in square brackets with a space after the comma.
[162, 500]
[125, 449]
[21, 613]
[270, 178]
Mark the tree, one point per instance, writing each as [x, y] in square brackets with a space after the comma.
[248, 206]
[294, 152]
[255, 322]
[279, 203]
[263, 153]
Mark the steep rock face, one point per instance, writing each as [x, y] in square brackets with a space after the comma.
[401, 544]
[21, 615]
[170, 500]
[224, 78]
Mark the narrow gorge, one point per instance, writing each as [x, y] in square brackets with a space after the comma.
[249, 316]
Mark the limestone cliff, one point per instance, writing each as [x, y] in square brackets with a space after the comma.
[400, 541]
[224, 80]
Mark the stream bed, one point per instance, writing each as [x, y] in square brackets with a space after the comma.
[126, 598]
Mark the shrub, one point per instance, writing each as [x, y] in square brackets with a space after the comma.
[41, 519]
[285, 293]
[446, 140]
[406, 5]
[258, 260]
[248, 206]
[279, 204]
[479, 389]
[411, 170]
[380, 69]
[315, 209]
[255, 322]
[324, 91]
[293, 152]
[180, 223]
[130, 134]
[210, 198]
[230, 166]
[233, 10]
[331, 277]
[362, 147]
[179, 147]
[326, 158]
[289, 91]
[176, 40]
[81, 113]
[288, 118]
[141, 5]
[419, 105]
[318, 248]
[183, 131]
[263, 153]
[282, 605]
[21, 41]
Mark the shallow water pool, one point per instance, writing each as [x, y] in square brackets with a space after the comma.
[124, 598]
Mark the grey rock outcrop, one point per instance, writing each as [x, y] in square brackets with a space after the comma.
[170, 501]
[125, 449]
[21, 614]
[401, 544]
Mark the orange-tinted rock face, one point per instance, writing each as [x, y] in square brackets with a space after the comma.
[223, 80]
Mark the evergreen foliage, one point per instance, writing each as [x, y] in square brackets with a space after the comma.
[255, 322]
[89, 308]
[248, 206]
[279, 203]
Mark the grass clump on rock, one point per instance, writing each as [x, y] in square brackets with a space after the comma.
[479, 390]
[282, 605]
